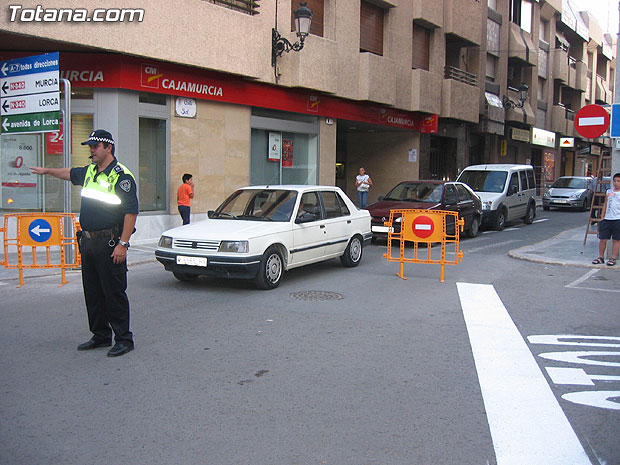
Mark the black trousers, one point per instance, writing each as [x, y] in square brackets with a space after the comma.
[184, 212]
[105, 285]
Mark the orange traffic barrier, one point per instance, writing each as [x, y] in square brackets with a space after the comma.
[424, 227]
[41, 232]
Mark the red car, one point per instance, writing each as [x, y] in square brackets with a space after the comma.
[429, 195]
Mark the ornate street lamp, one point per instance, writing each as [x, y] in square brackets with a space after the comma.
[523, 93]
[279, 44]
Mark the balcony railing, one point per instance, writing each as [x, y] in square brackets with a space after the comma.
[460, 75]
[245, 6]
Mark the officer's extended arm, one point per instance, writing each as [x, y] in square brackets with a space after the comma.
[60, 173]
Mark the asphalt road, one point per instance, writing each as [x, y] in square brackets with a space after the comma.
[335, 366]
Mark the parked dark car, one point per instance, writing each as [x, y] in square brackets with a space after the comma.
[571, 192]
[429, 195]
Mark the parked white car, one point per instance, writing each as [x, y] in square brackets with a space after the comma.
[261, 231]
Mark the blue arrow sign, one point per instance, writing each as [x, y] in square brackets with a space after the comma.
[30, 65]
[614, 126]
[40, 230]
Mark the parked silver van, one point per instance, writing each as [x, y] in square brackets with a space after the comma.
[507, 192]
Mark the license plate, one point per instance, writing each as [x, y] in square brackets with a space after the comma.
[560, 201]
[380, 229]
[192, 261]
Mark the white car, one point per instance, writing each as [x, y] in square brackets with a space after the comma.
[261, 231]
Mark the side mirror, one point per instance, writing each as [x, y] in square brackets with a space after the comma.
[210, 213]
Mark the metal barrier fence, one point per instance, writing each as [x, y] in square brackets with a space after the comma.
[52, 234]
[426, 228]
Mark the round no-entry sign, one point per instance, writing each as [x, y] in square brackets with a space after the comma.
[591, 121]
[423, 226]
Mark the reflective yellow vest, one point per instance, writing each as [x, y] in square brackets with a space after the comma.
[104, 188]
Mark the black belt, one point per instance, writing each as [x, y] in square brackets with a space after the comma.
[100, 233]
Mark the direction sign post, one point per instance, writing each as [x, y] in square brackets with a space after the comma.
[592, 121]
[29, 91]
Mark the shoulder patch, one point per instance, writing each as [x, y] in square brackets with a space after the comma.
[125, 185]
[118, 169]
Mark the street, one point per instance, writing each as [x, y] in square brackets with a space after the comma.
[335, 366]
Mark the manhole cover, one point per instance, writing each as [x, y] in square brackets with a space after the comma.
[316, 295]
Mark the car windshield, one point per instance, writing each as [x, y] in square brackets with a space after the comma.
[570, 183]
[258, 205]
[416, 192]
[484, 181]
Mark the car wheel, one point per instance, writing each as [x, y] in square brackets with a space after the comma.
[474, 227]
[529, 215]
[185, 277]
[546, 208]
[353, 253]
[500, 220]
[270, 269]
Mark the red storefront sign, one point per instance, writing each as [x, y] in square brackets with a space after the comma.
[125, 72]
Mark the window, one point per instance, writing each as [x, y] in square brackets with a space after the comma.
[541, 88]
[464, 194]
[371, 28]
[310, 204]
[521, 14]
[514, 184]
[492, 4]
[317, 7]
[421, 47]
[156, 99]
[531, 181]
[491, 67]
[523, 180]
[152, 164]
[246, 6]
[543, 31]
[451, 197]
[334, 205]
[543, 60]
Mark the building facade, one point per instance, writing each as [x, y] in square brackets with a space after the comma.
[408, 89]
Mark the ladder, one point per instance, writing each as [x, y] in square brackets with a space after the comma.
[598, 199]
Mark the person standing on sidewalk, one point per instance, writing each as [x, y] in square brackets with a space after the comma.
[185, 193]
[107, 217]
[362, 184]
[609, 227]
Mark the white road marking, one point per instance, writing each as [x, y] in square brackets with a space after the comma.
[526, 422]
[577, 377]
[489, 232]
[488, 246]
[541, 220]
[512, 229]
[586, 276]
[576, 284]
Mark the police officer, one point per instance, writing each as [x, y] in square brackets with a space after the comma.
[107, 217]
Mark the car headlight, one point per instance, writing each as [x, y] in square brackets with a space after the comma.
[234, 246]
[399, 219]
[547, 194]
[576, 195]
[486, 205]
[165, 241]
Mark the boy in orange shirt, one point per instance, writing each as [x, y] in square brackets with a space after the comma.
[184, 194]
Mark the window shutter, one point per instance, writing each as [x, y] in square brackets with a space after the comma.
[421, 47]
[371, 28]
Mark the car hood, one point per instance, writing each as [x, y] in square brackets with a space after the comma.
[222, 229]
[383, 207]
[565, 192]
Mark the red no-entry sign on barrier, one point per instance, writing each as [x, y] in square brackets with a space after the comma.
[423, 227]
[591, 121]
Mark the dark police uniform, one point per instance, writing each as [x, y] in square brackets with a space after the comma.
[106, 198]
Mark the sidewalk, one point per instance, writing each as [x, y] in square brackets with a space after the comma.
[567, 249]
[141, 251]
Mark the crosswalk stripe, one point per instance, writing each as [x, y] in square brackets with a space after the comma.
[526, 421]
